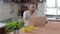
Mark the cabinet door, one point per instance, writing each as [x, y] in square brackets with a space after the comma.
[27, 1]
[2, 31]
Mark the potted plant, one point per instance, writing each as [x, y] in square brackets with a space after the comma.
[19, 25]
[14, 26]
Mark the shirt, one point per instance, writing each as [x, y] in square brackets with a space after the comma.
[27, 14]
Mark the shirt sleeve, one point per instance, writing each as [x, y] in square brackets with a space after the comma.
[25, 15]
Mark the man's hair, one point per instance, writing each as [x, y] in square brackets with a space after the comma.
[33, 3]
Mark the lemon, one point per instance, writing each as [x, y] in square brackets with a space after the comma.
[25, 29]
[31, 27]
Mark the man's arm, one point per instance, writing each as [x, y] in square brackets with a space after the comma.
[25, 16]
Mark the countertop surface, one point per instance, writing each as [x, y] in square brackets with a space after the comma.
[2, 25]
[50, 28]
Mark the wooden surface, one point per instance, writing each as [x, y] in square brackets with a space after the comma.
[51, 28]
[2, 25]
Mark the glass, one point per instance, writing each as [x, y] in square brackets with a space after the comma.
[58, 12]
[50, 3]
[51, 11]
[58, 3]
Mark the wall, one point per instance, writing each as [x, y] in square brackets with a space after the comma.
[6, 9]
[41, 9]
[14, 7]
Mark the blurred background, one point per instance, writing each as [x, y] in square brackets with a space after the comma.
[10, 9]
[14, 8]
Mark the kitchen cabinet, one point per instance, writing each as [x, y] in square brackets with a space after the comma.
[2, 28]
[29, 1]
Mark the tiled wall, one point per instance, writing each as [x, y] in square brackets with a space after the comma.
[15, 8]
[5, 11]
[41, 9]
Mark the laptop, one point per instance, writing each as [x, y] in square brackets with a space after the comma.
[37, 20]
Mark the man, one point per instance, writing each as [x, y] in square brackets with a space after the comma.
[31, 12]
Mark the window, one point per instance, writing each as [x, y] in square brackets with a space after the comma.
[58, 13]
[51, 11]
[50, 3]
[52, 8]
[58, 3]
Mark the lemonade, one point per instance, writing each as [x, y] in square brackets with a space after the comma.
[25, 29]
[31, 27]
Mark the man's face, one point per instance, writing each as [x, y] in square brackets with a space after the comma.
[32, 7]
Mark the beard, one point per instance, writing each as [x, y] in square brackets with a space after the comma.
[33, 10]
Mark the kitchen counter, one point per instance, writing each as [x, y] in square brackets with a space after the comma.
[52, 27]
[2, 25]
[2, 28]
